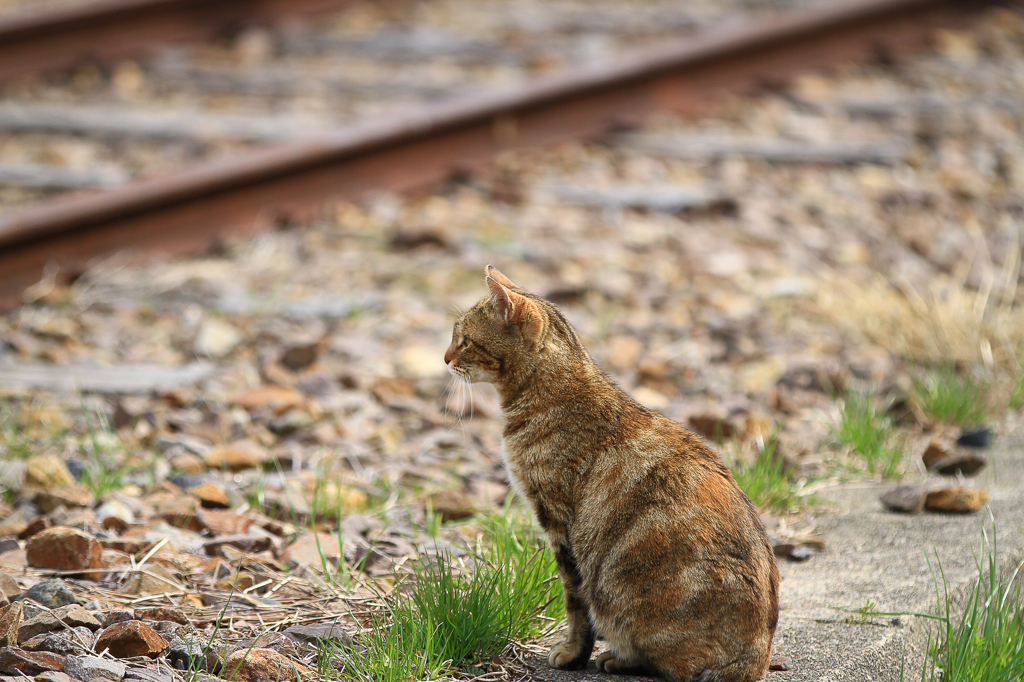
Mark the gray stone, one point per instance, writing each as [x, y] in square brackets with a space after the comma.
[117, 616]
[94, 669]
[73, 641]
[71, 615]
[51, 593]
[330, 630]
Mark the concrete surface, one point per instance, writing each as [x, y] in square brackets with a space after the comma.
[877, 555]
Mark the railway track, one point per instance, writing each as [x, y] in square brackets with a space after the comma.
[194, 178]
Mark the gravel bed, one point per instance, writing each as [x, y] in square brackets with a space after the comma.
[736, 270]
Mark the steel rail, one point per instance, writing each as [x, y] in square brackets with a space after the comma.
[186, 211]
[112, 29]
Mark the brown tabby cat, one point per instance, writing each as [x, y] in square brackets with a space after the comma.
[658, 550]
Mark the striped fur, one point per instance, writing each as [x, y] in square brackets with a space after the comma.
[658, 550]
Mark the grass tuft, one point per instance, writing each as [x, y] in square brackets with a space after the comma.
[951, 397]
[986, 643]
[869, 431]
[766, 480]
[456, 615]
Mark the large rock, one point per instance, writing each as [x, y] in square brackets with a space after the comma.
[956, 500]
[132, 638]
[47, 472]
[65, 549]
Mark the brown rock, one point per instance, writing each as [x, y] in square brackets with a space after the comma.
[154, 579]
[712, 426]
[261, 665]
[452, 505]
[908, 499]
[162, 613]
[780, 663]
[956, 500]
[187, 463]
[53, 676]
[966, 464]
[68, 616]
[9, 586]
[300, 354]
[278, 399]
[74, 495]
[211, 494]
[935, 452]
[132, 638]
[311, 549]
[10, 619]
[221, 522]
[181, 512]
[236, 457]
[14, 661]
[47, 472]
[65, 549]
[34, 527]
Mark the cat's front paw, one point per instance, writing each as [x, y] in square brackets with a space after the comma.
[569, 655]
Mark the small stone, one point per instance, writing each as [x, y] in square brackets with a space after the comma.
[780, 663]
[211, 494]
[162, 614]
[216, 338]
[63, 642]
[47, 472]
[291, 421]
[65, 549]
[261, 665]
[150, 675]
[236, 457]
[907, 499]
[51, 593]
[300, 354]
[10, 619]
[980, 437]
[71, 615]
[221, 522]
[14, 661]
[94, 668]
[117, 509]
[935, 452]
[956, 500]
[9, 586]
[711, 426]
[34, 527]
[187, 463]
[74, 495]
[801, 553]
[311, 549]
[316, 632]
[118, 616]
[275, 398]
[154, 579]
[54, 676]
[966, 464]
[452, 505]
[191, 654]
[133, 638]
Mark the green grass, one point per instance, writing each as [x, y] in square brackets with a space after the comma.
[766, 480]
[986, 642]
[456, 615]
[952, 397]
[1016, 399]
[869, 431]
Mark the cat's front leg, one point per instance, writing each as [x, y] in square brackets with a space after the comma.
[573, 652]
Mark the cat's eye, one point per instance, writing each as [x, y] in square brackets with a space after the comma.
[464, 342]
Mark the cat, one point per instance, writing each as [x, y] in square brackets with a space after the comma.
[658, 550]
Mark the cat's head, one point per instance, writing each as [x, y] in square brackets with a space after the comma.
[507, 332]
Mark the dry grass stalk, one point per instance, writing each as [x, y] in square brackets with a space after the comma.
[944, 322]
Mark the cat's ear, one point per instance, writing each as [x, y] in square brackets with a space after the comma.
[519, 310]
[501, 279]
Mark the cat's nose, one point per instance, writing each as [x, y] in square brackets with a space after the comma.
[449, 355]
